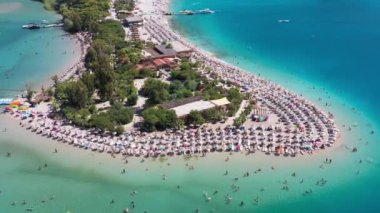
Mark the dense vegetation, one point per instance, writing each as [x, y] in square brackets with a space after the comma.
[186, 82]
[127, 5]
[210, 115]
[82, 15]
[109, 65]
[110, 69]
[156, 118]
[243, 116]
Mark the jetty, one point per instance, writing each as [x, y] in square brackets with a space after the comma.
[191, 12]
[33, 26]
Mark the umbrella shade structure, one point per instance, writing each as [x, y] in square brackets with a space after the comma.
[23, 108]
[15, 103]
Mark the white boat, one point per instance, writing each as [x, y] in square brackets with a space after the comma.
[205, 11]
[283, 21]
[186, 12]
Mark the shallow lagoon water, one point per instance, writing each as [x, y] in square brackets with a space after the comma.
[30, 56]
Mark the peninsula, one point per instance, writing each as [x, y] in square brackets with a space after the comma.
[143, 90]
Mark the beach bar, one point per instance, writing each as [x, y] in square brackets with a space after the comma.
[133, 21]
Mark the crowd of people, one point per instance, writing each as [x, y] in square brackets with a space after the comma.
[297, 126]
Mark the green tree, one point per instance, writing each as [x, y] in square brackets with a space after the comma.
[132, 99]
[89, 80]
[159, 119]
[192, 85]
[77, 94]
[102, 121]
[195, 117]
[72, 93]
[68, 25]
[105, 82]
[235, 97]
[156, 91]
[119, 114]
[72, 21]
[212, 115]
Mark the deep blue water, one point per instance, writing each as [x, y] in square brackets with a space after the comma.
[334, 44]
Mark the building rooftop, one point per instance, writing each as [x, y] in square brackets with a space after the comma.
[162, 61]
[172, 104]
[146, 53]
[159, 51]
[185, 106]
[134, 19]
[185, 109]
[220, 102]
[162, 50]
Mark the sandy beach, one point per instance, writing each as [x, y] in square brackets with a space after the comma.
[71, 155]
[68, 70]
[296, 126]
[48, 175]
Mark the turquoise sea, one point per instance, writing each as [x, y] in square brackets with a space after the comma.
[30, 56]
[327, 52]
[332, 44]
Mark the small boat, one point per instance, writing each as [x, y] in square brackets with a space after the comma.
[205, 11]
[31, 26]
[5, 101]
[283, 21]
[186, 12]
